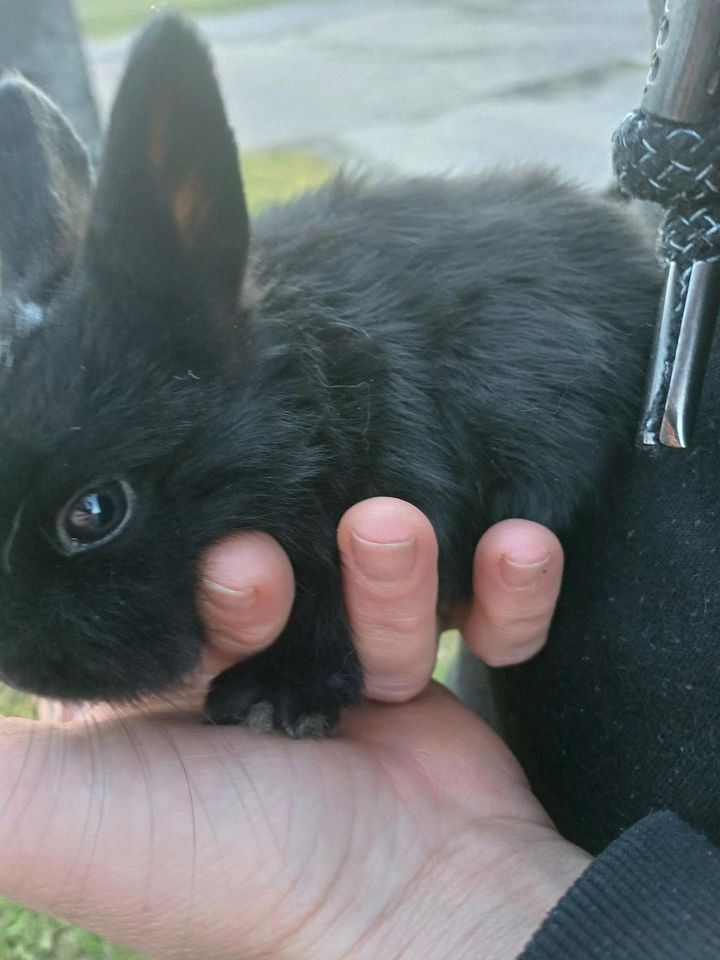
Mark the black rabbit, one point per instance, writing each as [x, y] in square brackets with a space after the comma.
[472, 346]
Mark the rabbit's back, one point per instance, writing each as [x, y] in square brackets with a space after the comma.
[480, 343]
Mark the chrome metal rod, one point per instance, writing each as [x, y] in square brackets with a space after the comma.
[691, 357]
[683, 84]
[661, 359]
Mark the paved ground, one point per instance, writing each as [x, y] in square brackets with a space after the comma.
[428, 85]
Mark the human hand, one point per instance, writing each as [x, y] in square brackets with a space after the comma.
[413, 833]
[517, 573]
[247, 591]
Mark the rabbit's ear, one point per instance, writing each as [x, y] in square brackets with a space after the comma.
[170, 205]
[44, 191]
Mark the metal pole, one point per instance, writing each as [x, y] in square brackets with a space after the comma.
[656, 11]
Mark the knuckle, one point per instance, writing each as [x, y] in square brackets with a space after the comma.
[388, 626]
[513, 620]
[395, 686]
[241, 638]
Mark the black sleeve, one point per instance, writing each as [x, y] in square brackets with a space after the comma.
[653, 894]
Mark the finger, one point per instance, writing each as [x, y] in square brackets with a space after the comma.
[389, 557]
[246, 593]
[517, 574]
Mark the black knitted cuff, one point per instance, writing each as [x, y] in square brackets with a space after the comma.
[654, 894]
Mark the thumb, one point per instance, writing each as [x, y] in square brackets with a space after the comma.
[246, 593]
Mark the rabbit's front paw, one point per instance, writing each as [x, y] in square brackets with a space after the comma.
[263, 717]
[302, 706]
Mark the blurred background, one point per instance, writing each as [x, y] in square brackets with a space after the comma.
[417, 85]
[411, 85]
[404, 86]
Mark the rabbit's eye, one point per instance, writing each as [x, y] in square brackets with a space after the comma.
[95, 516]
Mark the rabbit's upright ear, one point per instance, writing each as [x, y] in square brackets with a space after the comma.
[170, 207]
[44, 191]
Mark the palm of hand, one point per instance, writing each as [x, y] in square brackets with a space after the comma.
[359, 847]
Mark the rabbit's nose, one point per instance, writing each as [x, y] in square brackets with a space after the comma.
[8, 545]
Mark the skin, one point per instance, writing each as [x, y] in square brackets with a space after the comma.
[412, 834]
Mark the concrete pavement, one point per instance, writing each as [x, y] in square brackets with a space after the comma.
[428, 85]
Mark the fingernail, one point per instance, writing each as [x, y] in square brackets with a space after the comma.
[241, 599]
[517, 574]
[384, 562]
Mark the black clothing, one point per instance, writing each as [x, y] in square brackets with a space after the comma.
[620, 714]
[654, 894]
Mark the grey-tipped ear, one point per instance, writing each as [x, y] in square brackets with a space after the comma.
[45, 182]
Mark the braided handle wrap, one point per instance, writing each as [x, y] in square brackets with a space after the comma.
[678, 168]
[656, 159]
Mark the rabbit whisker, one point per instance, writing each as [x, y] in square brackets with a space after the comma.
[7, 547]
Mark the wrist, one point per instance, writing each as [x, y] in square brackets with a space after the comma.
[483, 893]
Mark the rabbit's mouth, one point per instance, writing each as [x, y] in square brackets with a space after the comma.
[94, 676]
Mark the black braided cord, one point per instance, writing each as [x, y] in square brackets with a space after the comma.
[678, 168]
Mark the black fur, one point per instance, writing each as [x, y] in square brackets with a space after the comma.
[472, 346]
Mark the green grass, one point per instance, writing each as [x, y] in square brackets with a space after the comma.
[103, 18]
[447, 651]
[269, 177]
[278, 175]
[14, 704]
[28, 936]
